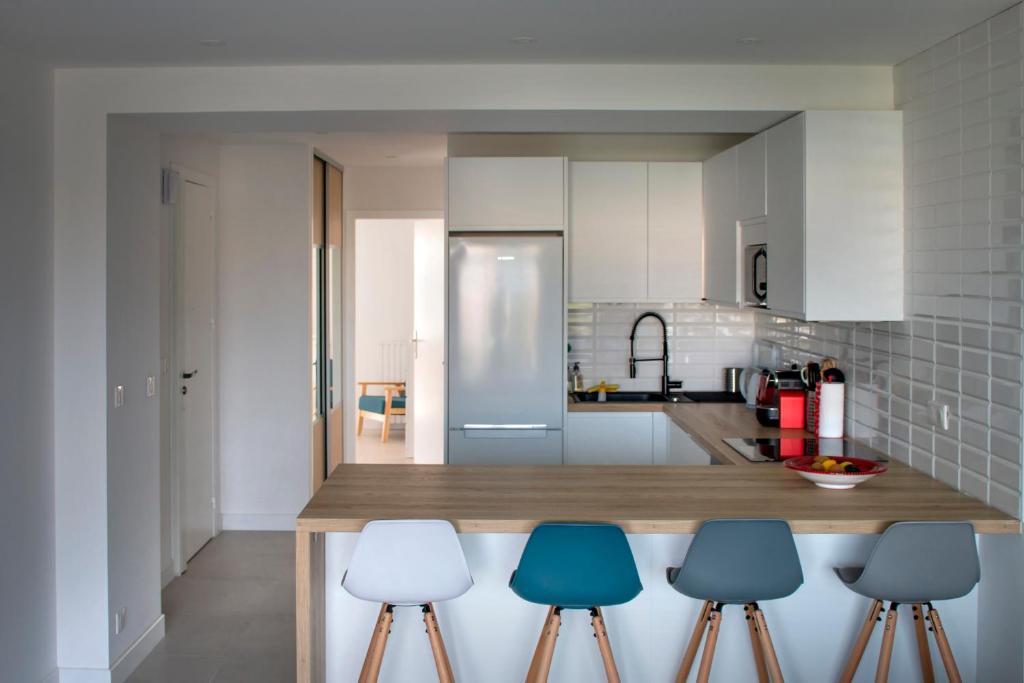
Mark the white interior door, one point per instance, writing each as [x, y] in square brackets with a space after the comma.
[195, 288]
[427, 388]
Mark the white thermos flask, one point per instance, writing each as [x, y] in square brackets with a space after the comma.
[831, 398]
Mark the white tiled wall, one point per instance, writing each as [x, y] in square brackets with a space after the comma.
[961, 343]
[703, 339]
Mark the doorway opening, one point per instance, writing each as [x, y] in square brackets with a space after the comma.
[398, 399]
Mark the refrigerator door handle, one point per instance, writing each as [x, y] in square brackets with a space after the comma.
[471, 427]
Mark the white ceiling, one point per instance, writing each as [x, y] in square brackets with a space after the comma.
[135, 32]
[361, 149]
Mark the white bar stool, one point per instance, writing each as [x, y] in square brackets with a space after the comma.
[404, 563]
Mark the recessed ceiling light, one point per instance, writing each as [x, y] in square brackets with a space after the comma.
[749, 40]
[524, 40]
[212, 42]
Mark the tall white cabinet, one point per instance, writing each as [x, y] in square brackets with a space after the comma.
[721, 269]
[635, 231]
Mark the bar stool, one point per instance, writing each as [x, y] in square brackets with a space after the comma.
[737, 562]
[575, 566]
[401, 563]
[913, 563]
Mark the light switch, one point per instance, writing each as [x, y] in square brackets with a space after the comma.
[118, 396]
[939, 414]
[150, 386]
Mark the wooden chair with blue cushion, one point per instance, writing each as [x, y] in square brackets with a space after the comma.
[380, 408]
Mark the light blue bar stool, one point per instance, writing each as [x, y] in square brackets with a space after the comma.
[737, 562]
[913, 563]
[575, 566]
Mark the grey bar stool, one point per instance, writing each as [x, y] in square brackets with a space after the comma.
[737, 562]
[913, 563]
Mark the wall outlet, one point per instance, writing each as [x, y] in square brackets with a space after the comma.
[119, 396]
[939, 415]
[150, 385]
[120, 620]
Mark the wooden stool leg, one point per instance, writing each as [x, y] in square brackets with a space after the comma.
[927, 674]
[359, 425]
[691, 648]
[882, 673]
[766, 645]
[755, 644]
[540, 667]
[944, 649]
[862, 642]
[375, 652]
[597, 621]
[714, 623]
[444, 667]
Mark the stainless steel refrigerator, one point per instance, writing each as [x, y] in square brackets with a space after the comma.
[506, 380]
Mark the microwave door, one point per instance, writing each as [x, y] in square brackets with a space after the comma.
[760, 275]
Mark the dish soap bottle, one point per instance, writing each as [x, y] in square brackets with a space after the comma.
[577, 378]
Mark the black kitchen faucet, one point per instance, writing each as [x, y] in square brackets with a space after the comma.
[666, 383]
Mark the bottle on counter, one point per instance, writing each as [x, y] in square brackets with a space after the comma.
[576, 378]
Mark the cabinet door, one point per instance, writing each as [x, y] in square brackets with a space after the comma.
[751, 171]
[608, 231]
[506, 193]
[674, 225]
[720, 243]
[682, 449]
[785, 227]
[610, 439]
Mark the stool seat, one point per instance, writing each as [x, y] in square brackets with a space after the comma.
[739, 561]
[918, 562]
[377, 404]
[407, 562]
[576, 566]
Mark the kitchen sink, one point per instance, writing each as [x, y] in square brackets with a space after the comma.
[631, 397]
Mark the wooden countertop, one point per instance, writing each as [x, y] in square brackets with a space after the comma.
[707, 423]
[640, 499]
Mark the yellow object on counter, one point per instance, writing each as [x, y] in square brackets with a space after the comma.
[602, 387]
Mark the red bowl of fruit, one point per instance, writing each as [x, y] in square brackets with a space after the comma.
[835, 472]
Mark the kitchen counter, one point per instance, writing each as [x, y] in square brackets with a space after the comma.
[707, 423]
[493, 508]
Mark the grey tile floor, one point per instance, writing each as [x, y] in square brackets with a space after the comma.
[231, 616]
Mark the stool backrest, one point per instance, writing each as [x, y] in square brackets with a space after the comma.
[919, 561]
[577, 566]
[408, 559]
[741, 560]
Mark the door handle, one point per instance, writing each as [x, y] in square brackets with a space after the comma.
[189, 375]
[415, 344]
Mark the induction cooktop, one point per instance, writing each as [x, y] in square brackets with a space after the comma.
[781, 448]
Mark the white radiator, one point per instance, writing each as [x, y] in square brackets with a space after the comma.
[393, 361]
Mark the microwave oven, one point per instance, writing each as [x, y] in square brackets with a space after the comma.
[755, 275]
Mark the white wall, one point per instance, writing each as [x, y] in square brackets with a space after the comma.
[264, 346]
[197, 154]
[393, 188]
[384, 298]
[27, 578]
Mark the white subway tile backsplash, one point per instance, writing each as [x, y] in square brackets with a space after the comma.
[703, 339]
[964, 230]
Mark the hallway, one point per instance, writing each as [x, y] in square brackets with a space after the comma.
[231, 616]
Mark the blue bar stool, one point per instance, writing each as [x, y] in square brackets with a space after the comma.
[575, 566]
[737, 562]
[913, 563]
[407, 562]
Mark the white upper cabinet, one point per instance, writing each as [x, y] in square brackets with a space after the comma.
[834, 227]
[506, 193]
[675, 222]
[608, 231]
[751, 170]
[720, 214]
[635, 231]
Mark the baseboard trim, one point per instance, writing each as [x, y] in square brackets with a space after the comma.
[244, 521]
[139, 650]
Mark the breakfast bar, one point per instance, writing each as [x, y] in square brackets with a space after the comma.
[491, 634]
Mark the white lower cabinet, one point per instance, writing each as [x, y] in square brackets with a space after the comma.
[614, 438]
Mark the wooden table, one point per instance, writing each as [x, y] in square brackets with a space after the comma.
[641, 499]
